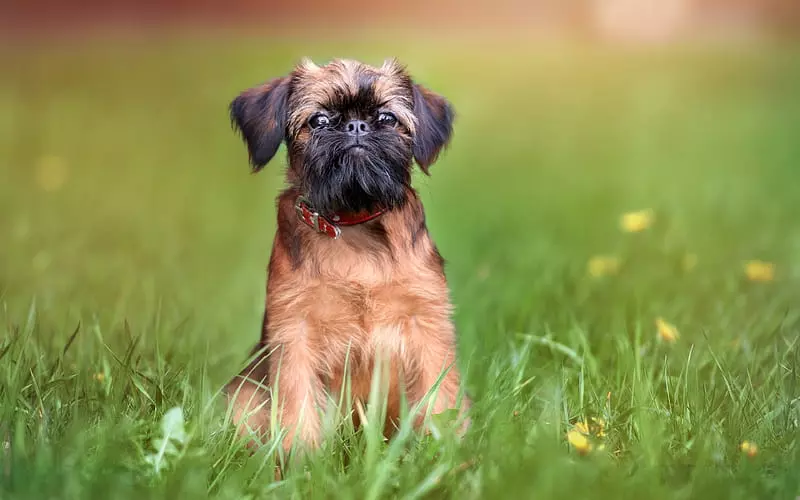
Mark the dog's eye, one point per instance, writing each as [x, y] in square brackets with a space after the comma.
[319, 121]
[387, 119]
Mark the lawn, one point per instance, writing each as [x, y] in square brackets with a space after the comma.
[135, 243]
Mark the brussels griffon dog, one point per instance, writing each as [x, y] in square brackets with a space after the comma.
[354, 276]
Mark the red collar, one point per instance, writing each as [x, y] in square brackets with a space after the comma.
[330, 227]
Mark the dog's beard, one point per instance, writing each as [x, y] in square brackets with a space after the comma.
[339, 177]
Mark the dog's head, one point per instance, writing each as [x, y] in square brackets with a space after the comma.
[352, 131]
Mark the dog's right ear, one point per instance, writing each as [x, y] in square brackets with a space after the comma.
[260, 114]
[434, 128]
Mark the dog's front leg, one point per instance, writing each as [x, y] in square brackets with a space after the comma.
[299, 392]
[434, 352]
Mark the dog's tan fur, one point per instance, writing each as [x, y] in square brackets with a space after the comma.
[379, 292]
[316, 85]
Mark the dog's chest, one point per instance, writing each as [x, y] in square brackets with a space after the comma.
[364, 301]
[361, 307]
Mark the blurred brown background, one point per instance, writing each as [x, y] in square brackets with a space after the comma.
[624, 19]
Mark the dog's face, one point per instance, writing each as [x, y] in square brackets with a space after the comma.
[352, 131]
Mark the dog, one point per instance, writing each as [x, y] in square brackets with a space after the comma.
[354, 276]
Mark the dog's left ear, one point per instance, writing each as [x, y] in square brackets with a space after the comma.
[261, 115]
[434, 125]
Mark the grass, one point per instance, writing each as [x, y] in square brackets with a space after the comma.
[134, 247]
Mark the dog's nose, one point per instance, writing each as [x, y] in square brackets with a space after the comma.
[357, 127]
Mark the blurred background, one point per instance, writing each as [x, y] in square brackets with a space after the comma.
[125, 196]
[621, 171]
[622, 19]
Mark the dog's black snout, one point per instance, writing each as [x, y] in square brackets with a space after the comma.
[357, 127]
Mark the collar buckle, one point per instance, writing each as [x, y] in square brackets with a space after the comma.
[314, 220]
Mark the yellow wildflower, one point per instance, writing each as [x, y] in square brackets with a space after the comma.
[582, 427]
[749, 448]
[635, 222]
[599, 427]
[584, 432]
[666, 331]
[594, 426]
[100, 377]
[757, 270]
[603, 265]
[51, 173]
[579, 441]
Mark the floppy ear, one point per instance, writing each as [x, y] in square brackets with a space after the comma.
[434, 125]
[260, 114]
